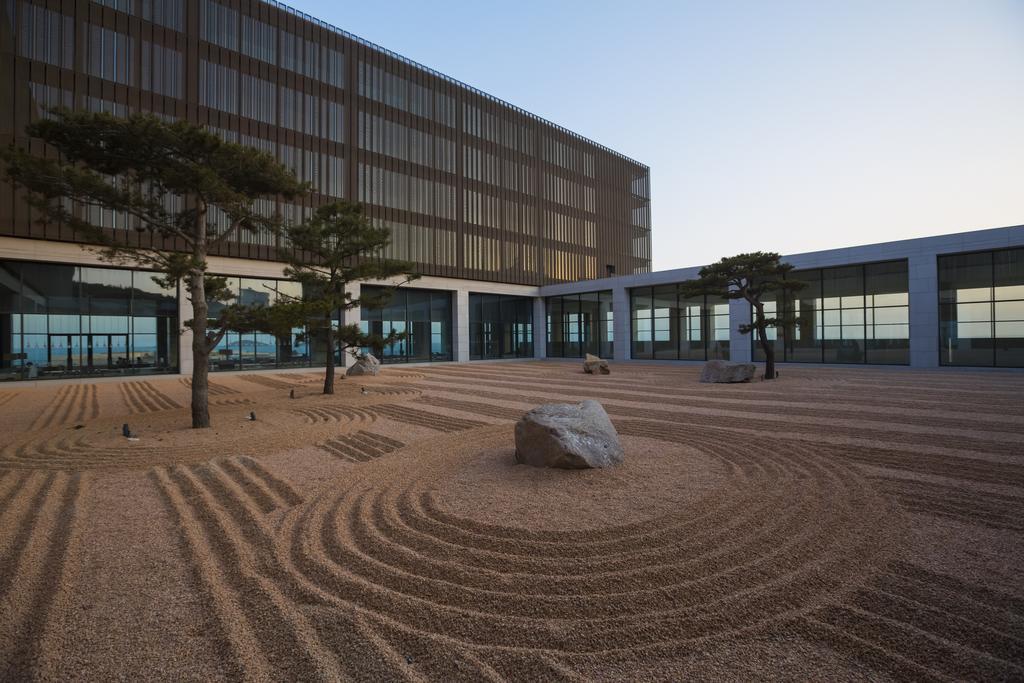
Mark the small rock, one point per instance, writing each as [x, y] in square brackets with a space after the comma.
[592, 365]
[568, 436]
[366, 364]
[722, 371]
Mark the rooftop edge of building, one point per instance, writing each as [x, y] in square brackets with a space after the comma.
[971, 240]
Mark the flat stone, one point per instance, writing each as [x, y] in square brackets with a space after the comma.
[592, 365]
[568, 436]
[723, 371]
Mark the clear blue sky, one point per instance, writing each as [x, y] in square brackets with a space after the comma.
[785, 126]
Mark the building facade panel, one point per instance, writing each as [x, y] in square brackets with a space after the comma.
[470, 186]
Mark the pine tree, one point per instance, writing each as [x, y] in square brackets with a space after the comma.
[175, 183]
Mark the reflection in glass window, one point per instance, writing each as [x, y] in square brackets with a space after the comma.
[848, 314]
[981, 308]
[578, 324]
[69, 321]
[424, 316]
[500, 326]
[669, 326]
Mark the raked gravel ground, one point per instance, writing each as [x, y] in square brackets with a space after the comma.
[835, 524]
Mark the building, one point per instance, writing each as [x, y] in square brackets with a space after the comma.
[533, 241]
[472, 188]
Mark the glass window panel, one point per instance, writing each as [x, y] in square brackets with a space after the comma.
[1004, 292]
[973, 312]
[1009, 310]
[886, 316]
[1008, 273]
[1007, 330]
[974, 330]
[965, 277]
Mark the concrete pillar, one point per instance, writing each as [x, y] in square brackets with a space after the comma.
[185, 359]
[460, 324]
[620, 323]
[739, 344]
[924, 310]
[540, 328]
[352, 316]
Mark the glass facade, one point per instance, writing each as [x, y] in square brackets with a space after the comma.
[666, 325]
[847, 314]
[981, 308]
[578, 324]
[256, 350]
[500, 326]
[71, 321]
[424, 315]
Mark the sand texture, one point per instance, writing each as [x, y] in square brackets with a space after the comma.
[835, 524]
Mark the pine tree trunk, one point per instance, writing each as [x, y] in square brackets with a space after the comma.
[762, 339]
[200, 352]
[769, 355]
[329, 374]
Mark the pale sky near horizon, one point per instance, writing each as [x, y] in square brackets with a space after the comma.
[788, 126]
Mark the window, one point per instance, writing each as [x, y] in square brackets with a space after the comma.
[218, 87]
[500, 326]
[46, 36]
[259, 99]
[423, 318]
[259, 40]
[110, 55]
[161, 69]
[218, 24]
[169, 13]
[981, 308]
[578, 324]
[69, 321]
[847, 314]
[665, 325]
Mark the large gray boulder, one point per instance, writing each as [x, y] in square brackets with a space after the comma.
[366, 364]
[569, 436]
[592, 365]
[723, 371]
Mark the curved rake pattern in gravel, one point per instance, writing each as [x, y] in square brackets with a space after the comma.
[264, 615]
[76, 451]
[143, 397]
[38, 528]
[745, 558]
[336, 413]
[71, 403]
[392, 390]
